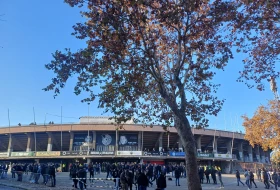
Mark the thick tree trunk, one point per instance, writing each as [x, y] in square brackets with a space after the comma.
[184, 130]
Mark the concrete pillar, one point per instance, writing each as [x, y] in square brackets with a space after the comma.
[88, 160]
[257, 151]
[240, 150]
[198, 142]
[250, 152]
[228, 145]
[160, 142]
[71, 141]
[11, 144]
[215, 145]
[266, 157]
[262, 155]
[50, 142]
[30, 142]
[139, 140]
[94, 140]
[117, 141]
[180, 146]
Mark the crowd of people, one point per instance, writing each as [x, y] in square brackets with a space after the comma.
[130, 175]
[270, 178]
[140, 175]
[35, 170]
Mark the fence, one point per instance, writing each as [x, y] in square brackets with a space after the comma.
[107, 185]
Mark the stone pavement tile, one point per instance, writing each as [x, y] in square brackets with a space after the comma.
[63, 183]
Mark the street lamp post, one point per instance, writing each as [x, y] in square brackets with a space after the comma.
[35, 138]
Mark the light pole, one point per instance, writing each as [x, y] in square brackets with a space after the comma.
[61, 129]
[88, 130]
[35, 138]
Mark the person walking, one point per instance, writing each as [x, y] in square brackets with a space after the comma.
[52, 175]
[82, 177]
[142, 181]
[207, 173]
[201, 174]
[275, 179]
[213, 175]
[259, 171]
[247, 178]
[123, 180]
[252, 179]
[161, 182]
[265, 178]
[220, 178]
[237, 174]
[91, 172]
[177, 176]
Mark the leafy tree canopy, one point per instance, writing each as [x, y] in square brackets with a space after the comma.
[263, 128]
[151, 58]
[257, 33]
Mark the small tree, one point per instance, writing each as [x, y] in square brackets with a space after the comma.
[154, 61]
[263, 128]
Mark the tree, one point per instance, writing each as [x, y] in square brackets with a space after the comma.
[263, 128]
[154, 61]
[257, 33]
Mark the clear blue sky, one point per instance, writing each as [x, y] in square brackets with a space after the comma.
[34, 29]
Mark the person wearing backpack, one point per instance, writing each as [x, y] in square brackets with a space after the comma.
[252, 179]
[275, 179]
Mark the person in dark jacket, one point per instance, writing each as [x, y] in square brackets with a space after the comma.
[108, 170]
[129, 176]
[275, 179]
[82, 177]
[177, 176]
[237, 174]
[52, 175]
[91, 172]
[265, 179]
[142, 181]
[161, 182]
[201, 174]
[207, 173]
[213, 175]
[73, 173]
[252, 180]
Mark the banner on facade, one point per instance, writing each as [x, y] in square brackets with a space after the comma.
[205, 155]
[171, 153]
[128, 139]
[223, 155]
[3, 154]
[105, 139]
[22, 154]
[129, 153]
[82, 139]
[73, 153]
[155, 153]
[48, 154]
[102, 153]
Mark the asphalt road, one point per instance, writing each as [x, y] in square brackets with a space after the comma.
[7, 188]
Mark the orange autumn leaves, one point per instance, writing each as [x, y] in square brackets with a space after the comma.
[263, 128]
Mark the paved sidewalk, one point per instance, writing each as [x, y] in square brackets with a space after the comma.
[63, 182]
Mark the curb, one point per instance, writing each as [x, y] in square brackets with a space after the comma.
[14, 186]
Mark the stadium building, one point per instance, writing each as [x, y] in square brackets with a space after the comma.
[96, 139]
